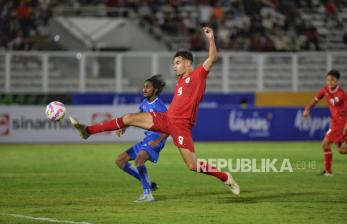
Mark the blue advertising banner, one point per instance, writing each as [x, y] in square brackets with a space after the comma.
[260, 124]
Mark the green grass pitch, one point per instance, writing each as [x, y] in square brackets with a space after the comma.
[80, 183]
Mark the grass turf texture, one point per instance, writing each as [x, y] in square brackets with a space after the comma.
[81, 183]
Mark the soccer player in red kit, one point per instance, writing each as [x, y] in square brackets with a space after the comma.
[179, 120]
[337, 134]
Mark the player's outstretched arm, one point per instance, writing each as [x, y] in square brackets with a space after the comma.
[212, 49]
[309, 107]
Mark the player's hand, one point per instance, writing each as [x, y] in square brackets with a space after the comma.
[208, 32]
[120, 132]
[306, 113]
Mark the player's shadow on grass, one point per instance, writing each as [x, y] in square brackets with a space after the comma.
[275, 197]
[227, 196]
[188, 195]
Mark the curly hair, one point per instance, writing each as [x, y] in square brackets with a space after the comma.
[157, 82]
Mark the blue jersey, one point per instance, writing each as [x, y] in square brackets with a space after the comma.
[155, 106]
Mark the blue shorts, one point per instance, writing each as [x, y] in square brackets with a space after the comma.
[153, 153]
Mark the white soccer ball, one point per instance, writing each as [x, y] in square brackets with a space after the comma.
[55, 111]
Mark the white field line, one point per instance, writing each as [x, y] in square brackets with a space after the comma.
[42, 219]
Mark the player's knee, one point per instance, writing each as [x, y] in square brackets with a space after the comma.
[325, 145]
[139, 161]
[119, 162]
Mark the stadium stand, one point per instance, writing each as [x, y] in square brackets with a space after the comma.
[252, 25]
[263, 26]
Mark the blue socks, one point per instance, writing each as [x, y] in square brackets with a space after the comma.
[144, 178]
[140, 174]
[128, 168]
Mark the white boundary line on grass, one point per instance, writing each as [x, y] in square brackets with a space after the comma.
[43, 219]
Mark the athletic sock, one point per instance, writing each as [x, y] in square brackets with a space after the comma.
[129, 169]
[144, 178]
[208, 169]
[328, 158]
[106, 126]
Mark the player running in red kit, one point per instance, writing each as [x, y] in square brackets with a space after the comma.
[179, 120]
[337, 134]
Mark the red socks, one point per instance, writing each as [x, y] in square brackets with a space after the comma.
[328, 157]
[208, 169]
[106, 126]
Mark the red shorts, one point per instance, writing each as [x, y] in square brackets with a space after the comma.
[179, 130]
[336, 136]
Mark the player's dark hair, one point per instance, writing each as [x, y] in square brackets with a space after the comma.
[184, 54]
[157, 82]
[335, 73]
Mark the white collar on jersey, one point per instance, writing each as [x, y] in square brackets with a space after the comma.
[335, 90]
[153, 100]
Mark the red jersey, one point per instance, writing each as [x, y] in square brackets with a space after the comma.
[337, 101]
[188, 94]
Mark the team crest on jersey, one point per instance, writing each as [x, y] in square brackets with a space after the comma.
[187, 80]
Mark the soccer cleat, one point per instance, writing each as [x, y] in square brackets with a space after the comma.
[145, 198]
[81, 128]
[326, 173]
[154, 186]
[234, 187]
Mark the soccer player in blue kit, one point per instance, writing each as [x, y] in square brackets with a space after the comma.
[150, 147]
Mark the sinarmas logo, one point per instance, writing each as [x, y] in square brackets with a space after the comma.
[37, 124]
[4, 124]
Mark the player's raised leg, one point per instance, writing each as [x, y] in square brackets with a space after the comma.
[328, 157]
[140, 120]
[206, 168]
